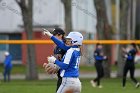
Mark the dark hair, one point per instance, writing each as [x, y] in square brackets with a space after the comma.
[98, 44]
[58, 31]
[133, 44]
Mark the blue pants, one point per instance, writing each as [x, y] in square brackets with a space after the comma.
[7, 72]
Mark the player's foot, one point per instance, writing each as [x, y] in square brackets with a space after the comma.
[123, 87]
[100, 86]
[93, 83]
[137, 85]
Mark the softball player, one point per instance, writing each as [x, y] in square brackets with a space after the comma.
[69, 66]
[7, 66]
[58, 52]
[129, 55]
[98, 55]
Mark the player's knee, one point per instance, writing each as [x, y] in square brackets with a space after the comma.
[101, 75]
[69, 91]
[124, 77]
[132, 77]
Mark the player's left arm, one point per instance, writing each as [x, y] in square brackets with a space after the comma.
[67, 59]
[62, 65]
[137, 48]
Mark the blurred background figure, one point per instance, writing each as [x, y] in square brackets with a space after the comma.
[129, 55]
[7, 66]
[99, 58]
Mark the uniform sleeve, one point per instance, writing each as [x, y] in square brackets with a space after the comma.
[129, 57]
[60, 43]
[134, 51]
[61, 64]
[67, 59]
[97, 56]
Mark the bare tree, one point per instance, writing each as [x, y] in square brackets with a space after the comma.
[68, 15]
[27, 16]
[131, 24]
[104, 32]
[124, 11]
[137, 33]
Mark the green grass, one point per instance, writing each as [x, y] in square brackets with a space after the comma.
[49, 86]
[22, 69]
[137, 66]
[91, 68]
[17, 86]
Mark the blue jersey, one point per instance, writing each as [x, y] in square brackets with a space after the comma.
[97, 55]
[70, 63]
[7, 62]
[131, 55]
[69, 67]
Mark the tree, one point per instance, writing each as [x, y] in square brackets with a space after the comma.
[26, 9]
[131, 24]
[137, 33]
[68, 15]
[103, 31]
[124, 11]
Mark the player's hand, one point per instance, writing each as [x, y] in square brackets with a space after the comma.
[44, 65]
[125, 56]
[105, 57]
[124, 50]
[51, 59]
[46, 32]
[51, 68]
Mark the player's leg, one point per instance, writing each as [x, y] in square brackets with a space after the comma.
[59, 81]
[70, 85]
[72, 89]
[93, 82]
[132, 73]
[97, 66]
[125, 71]
[5, 74]
[101, 74]
[8, 73]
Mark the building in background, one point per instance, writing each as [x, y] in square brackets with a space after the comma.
[46, 13]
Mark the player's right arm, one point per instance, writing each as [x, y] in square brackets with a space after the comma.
[56, 41]
[59, 43]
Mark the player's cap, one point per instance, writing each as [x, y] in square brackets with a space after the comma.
[6, 53]
[58, 31]
[77, 38]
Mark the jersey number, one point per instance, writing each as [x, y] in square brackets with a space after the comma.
[77, 62]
